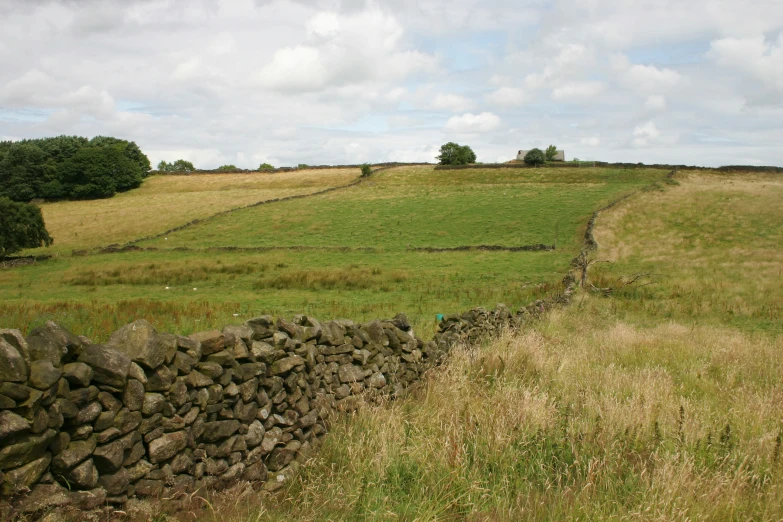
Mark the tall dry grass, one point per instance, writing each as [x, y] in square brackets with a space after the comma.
[579, 419]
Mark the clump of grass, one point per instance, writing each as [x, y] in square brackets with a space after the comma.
[159, 274]
[350, 278]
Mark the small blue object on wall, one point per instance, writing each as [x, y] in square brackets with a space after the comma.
[439, 317]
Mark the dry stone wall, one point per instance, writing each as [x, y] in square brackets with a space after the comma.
[86, 425]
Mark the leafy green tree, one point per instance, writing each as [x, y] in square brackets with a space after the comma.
[228, 168]
[22, 171]
[550, 153]
[177, 166]
[454, 154]
[128, 149]
[366, 170]
[303, 166]
[21, 226]
[99, 173]
[266, 166]
[534, 157]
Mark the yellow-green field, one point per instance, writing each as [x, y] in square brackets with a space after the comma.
[164, 202]
[358, 252]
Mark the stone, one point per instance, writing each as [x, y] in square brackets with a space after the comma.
[211, 369]
[12, 424]
[127, 421]
[255, 472]
[183, 363]
[198, 380]
[211, 341]
[149, 488]
[338, 350]
[286, 364]
[25, 449]
[75, 453]
[271, 438]
[105, 421]
[233, 472]
[13, 367]
[77, 374]
[114, 483]
[160, 379]
[216, 467]
[139, 470]
[189, 346]
[139, 340]
[150, 423]
[219, 430]
[264, 352]
[249, 371]
[167, 446]
[22, 478]
[88, 414]
[350, 373]
[255, 434]
[137, 372]
[53, 343]
[243, 332]
[182, 462]
[44, 497]
[308, 420]
[249, 390]
[106, 435]
[16, 339]
[280, 458]
[135, 454]
[134, 395]
[109, 366]
[377, 380]
[83, 476]
[153, 403]
[83, 396]
[109, 457]
[109, 402]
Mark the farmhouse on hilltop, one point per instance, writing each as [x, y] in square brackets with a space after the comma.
[560, 156]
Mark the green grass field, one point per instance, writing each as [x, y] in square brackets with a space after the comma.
[346, 254]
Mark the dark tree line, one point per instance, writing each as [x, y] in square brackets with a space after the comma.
[70, 167]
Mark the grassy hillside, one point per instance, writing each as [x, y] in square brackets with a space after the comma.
[164, 202]
[342, 254]
[659, 403]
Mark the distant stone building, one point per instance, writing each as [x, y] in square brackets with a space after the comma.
[560, 156]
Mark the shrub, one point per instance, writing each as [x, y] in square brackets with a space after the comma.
[534, 157]
[366, 170]
[178, 166]
[265, 166]
[227, 168]
[454, 154]
[303, 166]
[550, 153]
[21, 226]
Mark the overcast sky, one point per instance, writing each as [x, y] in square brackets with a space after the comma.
[352, 81]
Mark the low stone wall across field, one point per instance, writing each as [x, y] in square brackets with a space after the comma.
[85, 425]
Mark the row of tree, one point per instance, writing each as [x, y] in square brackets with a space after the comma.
[70, 167]
[182, 166]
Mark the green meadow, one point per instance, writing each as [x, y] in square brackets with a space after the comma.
[351, 253]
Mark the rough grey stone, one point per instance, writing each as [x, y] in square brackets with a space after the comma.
[25, 449]
[160, 379]
[78, 374]
[83, 476]
[350, 373]
[286, 364]
[13, 367]
[139, 341]
[134, 395]
[153, 403]
[211, 341]
[109, 366]
[219, 430]
[199, 380]
[114, 483]
[11, 424]
[167, 446]
[73, 454]
[22, 478]
[53, 343]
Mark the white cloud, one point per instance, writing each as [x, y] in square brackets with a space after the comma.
[592, 141]
[578, 91]
[756, 57]
[655, 102]
[644, 78]
[507, 97]
[452, 102]
[645, 134]
[468, 122]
